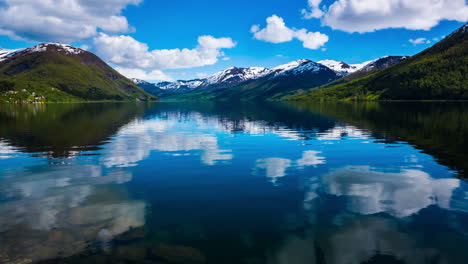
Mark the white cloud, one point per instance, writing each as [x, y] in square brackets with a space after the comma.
[370, 15]
[155, 75]
[56, 199]
[125, 51]
[314, 10]
[399, 194]
[311, 158]
[275, 167]
[419, 41]
[340, 132]
[311, 40]
[64, 21]
[138, 139]
[255, 28]
[276, 31]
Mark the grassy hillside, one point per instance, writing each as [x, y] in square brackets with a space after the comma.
[55, 76]
[437, 73]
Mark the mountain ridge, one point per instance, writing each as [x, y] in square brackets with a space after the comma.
[265, 83]
[255, 77]
[439, 72]
[215, 78]
[55, 72]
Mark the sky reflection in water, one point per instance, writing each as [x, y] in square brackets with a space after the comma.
[246, 184]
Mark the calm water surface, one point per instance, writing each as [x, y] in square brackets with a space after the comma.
[234, 183]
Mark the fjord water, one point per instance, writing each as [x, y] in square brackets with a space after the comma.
[234, 183]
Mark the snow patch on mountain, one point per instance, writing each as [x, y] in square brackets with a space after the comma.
[382, 62]
[289, 66]
[360, 66]
[233, 76]
[299, 67]
[345, 69]
[67, 49]
[230, 76]
[138, 81]
[237, 74]
[179, 85]
[7, 53]
[341, 67]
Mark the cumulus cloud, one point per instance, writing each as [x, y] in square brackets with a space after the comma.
[311, 158]
[370, 15]
[275, 167]
[419, 41]
[311, 40]
[276, 31]
[64, 21]
[154, 75]
[138, 139]
[125, 51]
[399, 194]
[314, 10]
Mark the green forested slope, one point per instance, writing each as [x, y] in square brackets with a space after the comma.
[54, 75]
[437, 73]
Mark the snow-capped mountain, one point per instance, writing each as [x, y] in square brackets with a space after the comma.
[289, 66]
[367, 66]
[60, 47]
[253, 82]
[227, 78]
[181, 85]
[59, 65]
[64, 48]
[382, 63]
[341, 67]
[297, 67]
[6, 53]
[299, 74]
[234, 75]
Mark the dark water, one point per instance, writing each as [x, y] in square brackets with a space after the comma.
[234, 183]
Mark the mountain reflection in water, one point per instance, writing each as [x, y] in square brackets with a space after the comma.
[233, 183]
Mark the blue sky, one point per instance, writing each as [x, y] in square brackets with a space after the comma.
[383, 29]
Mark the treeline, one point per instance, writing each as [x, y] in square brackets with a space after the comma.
[438, 73]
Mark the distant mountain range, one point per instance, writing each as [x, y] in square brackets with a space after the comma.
[437, 73]
[343, 67]
[262, 83]
[57, 72]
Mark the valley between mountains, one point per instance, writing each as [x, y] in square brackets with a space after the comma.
[54, 72]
